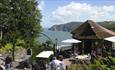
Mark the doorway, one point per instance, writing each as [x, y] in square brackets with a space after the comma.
[87, 46]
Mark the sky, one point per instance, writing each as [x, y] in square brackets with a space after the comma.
[55, 12]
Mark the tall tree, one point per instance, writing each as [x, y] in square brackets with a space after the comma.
[19, 19]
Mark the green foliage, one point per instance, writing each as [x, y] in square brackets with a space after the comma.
[73, 67]
[112, 60]
[100, 64]
[92, 67]
[47, 45]
[7, 47]
[97, 63]
[104, 67]
[110, 25]
[112, 68]
[19, 19]
[20, 43]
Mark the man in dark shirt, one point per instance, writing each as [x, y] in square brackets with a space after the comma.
[8, 62]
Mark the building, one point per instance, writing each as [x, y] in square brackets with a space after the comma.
[92, 36]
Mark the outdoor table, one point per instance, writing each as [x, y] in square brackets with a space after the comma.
[82, 57]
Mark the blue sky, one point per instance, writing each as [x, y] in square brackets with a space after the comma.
[55, 12]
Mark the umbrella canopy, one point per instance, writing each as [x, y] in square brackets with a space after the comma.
[45, 54]
[71, 41]
[112, 39]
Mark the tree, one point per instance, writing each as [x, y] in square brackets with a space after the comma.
[47, 45]
[19, 19]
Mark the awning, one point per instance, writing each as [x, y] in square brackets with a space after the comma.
[45, 54]
[64, 47]
[112, 39]
[71, 41]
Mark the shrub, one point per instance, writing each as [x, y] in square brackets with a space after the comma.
[112, 68]
[112, 60]
[98, 64]
[73, 67]
[6, 48]
[92, 67]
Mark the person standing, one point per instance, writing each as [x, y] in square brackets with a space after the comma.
[89, 56]
[8, 63]
[53, 63]
[93, 56]
[62, 66]
[36, 67]
[57, 64]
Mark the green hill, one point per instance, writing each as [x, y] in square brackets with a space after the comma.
[68, 27]
[109, 25]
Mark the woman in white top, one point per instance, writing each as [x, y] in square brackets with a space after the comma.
[57, 64]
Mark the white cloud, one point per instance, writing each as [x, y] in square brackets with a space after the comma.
[41, 5]
[81, 12]
[109, 8]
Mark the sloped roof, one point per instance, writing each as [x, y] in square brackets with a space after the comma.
[91, 30]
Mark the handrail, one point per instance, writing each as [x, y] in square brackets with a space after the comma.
[47, 37]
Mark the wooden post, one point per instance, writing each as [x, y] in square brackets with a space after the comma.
[83, 47]
[13, 49]
[1, 33]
